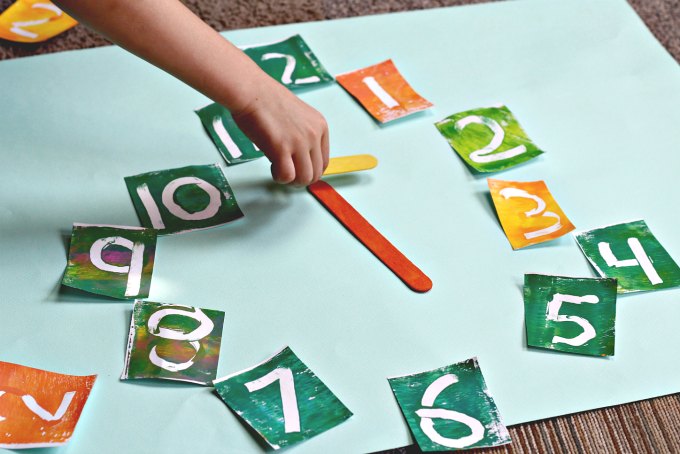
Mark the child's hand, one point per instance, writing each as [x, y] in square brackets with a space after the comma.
[292, 134]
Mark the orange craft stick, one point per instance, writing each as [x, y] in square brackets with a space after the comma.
[370, 237]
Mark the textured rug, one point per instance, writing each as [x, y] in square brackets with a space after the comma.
[649, 426]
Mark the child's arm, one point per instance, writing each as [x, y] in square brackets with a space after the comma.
[293, 135]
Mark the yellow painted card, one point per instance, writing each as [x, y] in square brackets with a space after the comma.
[528, 212]
[33, 21]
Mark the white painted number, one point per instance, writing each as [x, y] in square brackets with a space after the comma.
[168, 199]
[287, 76]
[509, 193]
[30, 403]
[291, 414]
[134, 270]
[204, 329]
[552, 313]
[427, 414]
[484, 155]
[229, 144]
[17, 27]
[641, 259]
[380, 92]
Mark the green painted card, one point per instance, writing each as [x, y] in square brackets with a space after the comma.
[488, 139]
[282, 400]
[630, 253]
[291, 62]
[173, 342]
[184, 199]
[110, 260]
[234, 146]
[568, 314]
[450, 408]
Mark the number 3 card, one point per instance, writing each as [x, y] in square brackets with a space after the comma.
[450, 408]
[488, 139]
[528, 213]
[383, 92]
[282, 400]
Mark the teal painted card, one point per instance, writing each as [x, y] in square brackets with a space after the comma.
[184, 199]
[282, 400]
[291, 62]
[630, 253]
[488, 139]
[111, 260]
[450, 408]
[234, 146]
[568, 314]
[173, 342]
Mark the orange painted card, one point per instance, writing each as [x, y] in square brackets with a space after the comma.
[383, 91]
[33, 21]
[528, 212]
[39, 408]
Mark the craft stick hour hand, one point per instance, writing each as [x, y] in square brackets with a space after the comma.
[293, 135]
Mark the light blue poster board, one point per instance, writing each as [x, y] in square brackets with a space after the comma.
[586, 80]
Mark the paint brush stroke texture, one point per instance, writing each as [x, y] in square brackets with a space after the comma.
[450, 408]
[488, 139]
[291, 62]
[282, 400]
[173, 342]
[630, 253]
[528, 212]
[575, 315]
[33, 21]
[39, 408]
[113, 261]
[184, 199]
[383, 92]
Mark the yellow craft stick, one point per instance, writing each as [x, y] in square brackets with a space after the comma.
[345, 164]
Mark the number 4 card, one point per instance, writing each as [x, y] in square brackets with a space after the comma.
[450, 408]
[528, 213]
[291, 62]
[184, 199]
[488, 139]
[282, 400]
[568, 314]
[631, 254]
[383, 92]
[39, 409]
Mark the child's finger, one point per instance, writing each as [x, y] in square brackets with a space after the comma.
[325, 148]
[303, 168]
[317, 163]
[283, 170]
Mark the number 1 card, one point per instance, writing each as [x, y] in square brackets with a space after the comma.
[282, 400]
[383, 92]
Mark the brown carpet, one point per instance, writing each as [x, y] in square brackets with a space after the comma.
[651, 426]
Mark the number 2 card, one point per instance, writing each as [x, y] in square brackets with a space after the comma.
[488, 139]
[383, 92]
[282, 400]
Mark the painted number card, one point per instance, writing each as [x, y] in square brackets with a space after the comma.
[234, 146]
[184, 199]
[282, 400]
[39, 409]
[383, 92]
[291, 62]
[631, 254]
[450, 408]
[488, 139]
[173, 342]
[33, 21]
[567, 314]
[111, 260]
[528, 213]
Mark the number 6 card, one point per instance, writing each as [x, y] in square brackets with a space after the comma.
[282, 400]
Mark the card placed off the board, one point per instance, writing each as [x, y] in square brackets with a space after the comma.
[450, 408]
[33, 21]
